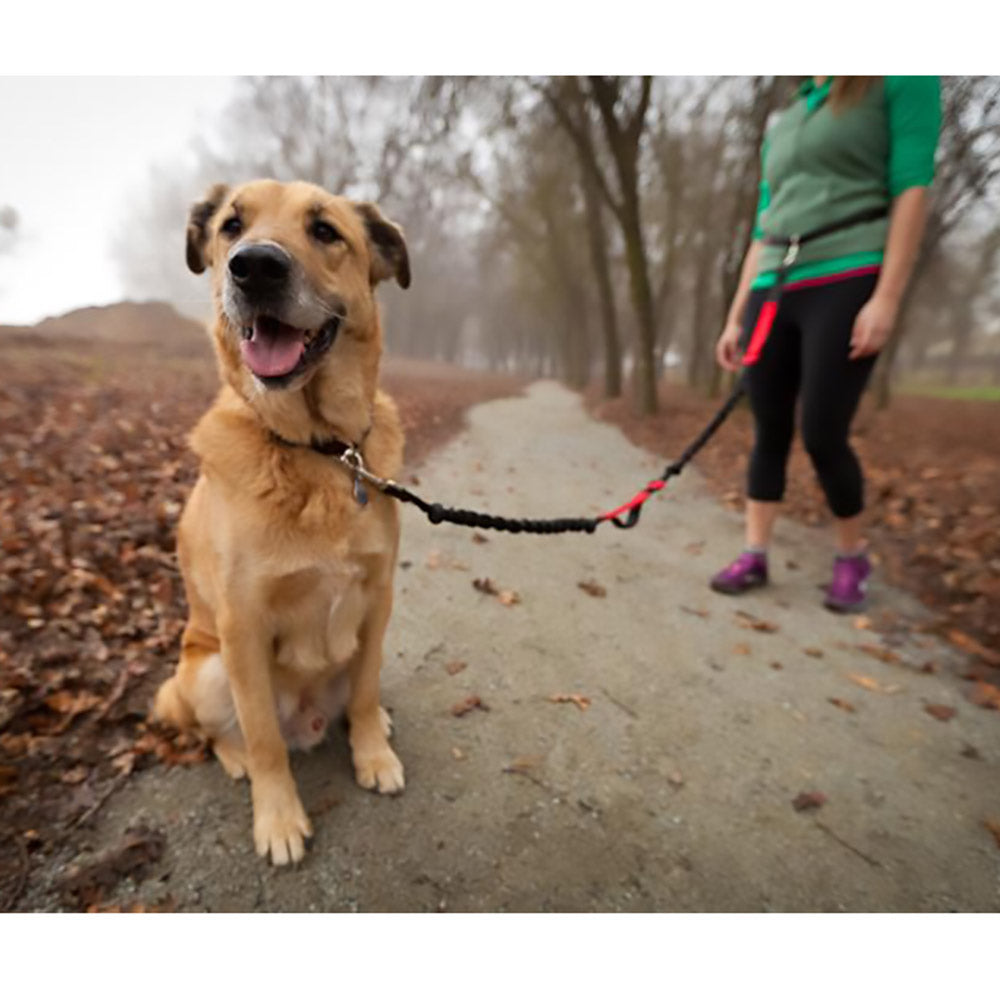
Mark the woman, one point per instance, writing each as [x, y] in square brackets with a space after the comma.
[847, 147]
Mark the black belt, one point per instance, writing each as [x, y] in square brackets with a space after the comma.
[793, 243]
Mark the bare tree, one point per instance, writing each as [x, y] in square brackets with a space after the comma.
[534, 207]
[621, 105]
[967, 179]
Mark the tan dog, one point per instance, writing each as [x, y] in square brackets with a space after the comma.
[288, 574]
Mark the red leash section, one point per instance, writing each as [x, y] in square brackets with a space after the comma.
[637, 501]
[765, 320]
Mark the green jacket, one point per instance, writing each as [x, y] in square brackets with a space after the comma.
[818, 167]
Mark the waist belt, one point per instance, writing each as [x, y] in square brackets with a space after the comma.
[792, 244]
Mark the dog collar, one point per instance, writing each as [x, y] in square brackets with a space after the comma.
[348, 454]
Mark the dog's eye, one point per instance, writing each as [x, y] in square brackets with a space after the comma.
[232, 227]
[324, 232]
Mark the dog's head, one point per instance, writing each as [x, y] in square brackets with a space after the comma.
[293, 271]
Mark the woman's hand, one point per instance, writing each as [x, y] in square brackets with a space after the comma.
[873, 326]
[727, 347]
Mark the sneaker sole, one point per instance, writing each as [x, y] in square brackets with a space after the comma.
[845, 609]
[733, 590]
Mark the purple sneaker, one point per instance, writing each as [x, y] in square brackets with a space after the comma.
[848, 589]
[744, 573]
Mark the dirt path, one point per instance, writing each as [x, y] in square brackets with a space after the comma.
[673, 790]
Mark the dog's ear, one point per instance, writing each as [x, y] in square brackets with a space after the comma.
[197, 227]
[387, 245]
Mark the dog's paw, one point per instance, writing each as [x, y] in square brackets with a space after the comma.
[233, 758]
[380, 770]
[280, 825]
[386, 719]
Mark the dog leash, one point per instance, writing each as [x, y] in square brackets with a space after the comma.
[627, 515]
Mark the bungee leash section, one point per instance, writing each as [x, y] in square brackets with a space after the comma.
[627, 515]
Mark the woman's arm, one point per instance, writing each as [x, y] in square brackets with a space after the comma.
[875, 321]
[747, 273]
[726, 346]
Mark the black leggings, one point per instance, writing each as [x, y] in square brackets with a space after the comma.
[806, 354]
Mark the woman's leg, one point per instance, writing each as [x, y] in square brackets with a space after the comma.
[831, 390]
[832, 385]
[760, 518]
[772, 386]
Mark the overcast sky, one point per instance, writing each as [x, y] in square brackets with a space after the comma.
[72, 149]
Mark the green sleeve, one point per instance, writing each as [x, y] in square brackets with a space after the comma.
[764, 197]
[913, 105]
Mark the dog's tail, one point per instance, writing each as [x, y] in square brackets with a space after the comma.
[172, 707]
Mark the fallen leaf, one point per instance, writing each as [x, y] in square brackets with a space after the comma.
[593, 588]
[72, 703]
[700, 612]
[509, 597]
[8, 778]
[971, 752]
[813, 652]
[741, 649]
[467, 704]
[676, 779]
[455, 667]
[862, 622]
[581, 701]
[993, 826]
[808, 800]
[433, 560]
[840, 703]
[775, 665]
[166, 905]
[985, 695]
[75, 775]
[486, 586]
[745, 620]
[124, 762]
[870, 684]
[941, 712]
[970, 645]
[479, 539]
[879, 652]
[524, 764]
[457, 753]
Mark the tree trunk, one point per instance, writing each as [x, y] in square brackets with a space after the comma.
[642, 303]
[597, 236]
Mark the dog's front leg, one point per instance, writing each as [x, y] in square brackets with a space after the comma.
[280, 824]
[375, 764]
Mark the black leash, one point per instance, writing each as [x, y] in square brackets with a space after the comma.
[627, 515]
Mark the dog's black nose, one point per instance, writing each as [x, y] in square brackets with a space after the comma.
[261, 268]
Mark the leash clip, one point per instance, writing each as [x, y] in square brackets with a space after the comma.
[791, 253]
[355, 463]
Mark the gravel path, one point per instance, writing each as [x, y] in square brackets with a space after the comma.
[671, 790]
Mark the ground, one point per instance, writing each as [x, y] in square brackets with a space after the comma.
[640, 743]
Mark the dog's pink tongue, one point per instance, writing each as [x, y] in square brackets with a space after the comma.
[273, 349]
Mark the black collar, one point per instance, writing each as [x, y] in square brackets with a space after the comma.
[330, 446]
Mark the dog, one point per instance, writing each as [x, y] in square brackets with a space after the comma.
[288, 566]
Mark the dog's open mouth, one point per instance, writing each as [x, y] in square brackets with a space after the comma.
[275, 352]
